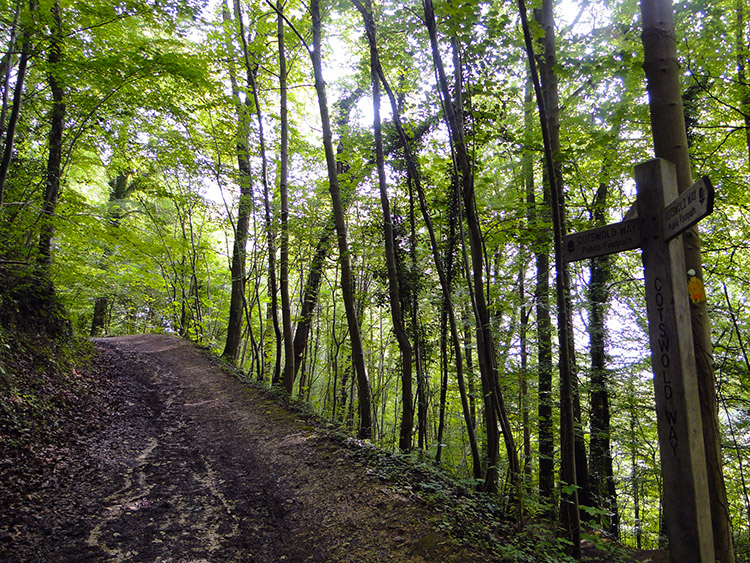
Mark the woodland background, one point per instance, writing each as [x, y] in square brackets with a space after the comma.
[171, 166]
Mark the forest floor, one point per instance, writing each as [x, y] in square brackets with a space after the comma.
[182, 462]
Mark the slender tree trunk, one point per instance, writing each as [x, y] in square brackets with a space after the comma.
[523, 385]
[548, 73]
[450, 251]
[6, 65]
[347, 283]
[251, 71]
[443, 383]
[538, 218]
[244, 209]
[411, 164]
[407, 413]
[15, 111]
[662, 71]
[414, 307]
[286, 307]
[494, 405]
[57, 127]
[570, 514]
[323, 247]
[422, 406]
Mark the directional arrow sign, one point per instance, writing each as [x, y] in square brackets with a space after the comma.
[688, 208]
[617, 237]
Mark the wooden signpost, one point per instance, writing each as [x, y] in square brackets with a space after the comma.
[662, 216]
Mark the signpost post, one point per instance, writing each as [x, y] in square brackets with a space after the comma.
[662, 217]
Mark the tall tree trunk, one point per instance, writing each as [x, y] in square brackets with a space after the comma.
[244, 208]
[450, 251]
[523, 385]
[570, 514]
[601, 475]
[407, 413]
[413, 169]
[251, 73]
[600, 466]
[57, 126]
[548, 73]
[662, 71]
[286, 307]
[10, 131]
[494, 405]
[347, 283]
[323, 247]
[539, 219]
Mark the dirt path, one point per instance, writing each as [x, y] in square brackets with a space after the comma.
[189, 465]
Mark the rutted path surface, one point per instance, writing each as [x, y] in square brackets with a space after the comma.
[190, 465]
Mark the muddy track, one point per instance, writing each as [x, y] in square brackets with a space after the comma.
[190, 465]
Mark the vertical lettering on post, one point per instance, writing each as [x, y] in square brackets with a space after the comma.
[686, 506]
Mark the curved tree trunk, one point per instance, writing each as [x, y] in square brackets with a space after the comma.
[407, 412]
[251, 71]
[494, 405]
